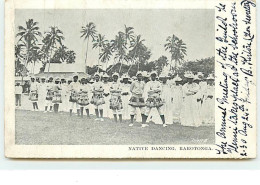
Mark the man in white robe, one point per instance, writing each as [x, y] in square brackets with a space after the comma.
[188, 115]
[42, 93]
[177, 99]
[197, 106]
[208, 106]
[167, 97]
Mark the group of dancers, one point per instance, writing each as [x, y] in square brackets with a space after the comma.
[143, 98]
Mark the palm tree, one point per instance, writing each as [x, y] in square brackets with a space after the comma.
[88, 31]
[177, 49]
[118, 45]
[29, 36]
[129, 34]
[18, 58]
[52, 37]
[60, 54]
[106, 53]
[99, 43]
[136, 47]
[35, 56]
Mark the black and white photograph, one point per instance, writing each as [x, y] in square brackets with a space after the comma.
[114, 76]
[130, 79]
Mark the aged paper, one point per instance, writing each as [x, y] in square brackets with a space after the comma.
[130, 79]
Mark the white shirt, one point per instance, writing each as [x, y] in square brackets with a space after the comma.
[18, 89]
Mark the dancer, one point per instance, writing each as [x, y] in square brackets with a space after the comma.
[74, 90]
[137, 99]
[83, 99]
[154, 99]
[56, 100]
[33, 95]
[116, 98]
[98, 97]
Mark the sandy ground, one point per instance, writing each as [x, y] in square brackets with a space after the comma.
[38, 128]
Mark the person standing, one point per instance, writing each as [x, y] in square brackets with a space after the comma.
[49, 95]
[83, 99]
[189, 93]
[115, 98]
[98, 97]
[106, 111]
[56, 95]
[18, 95]
[42, 93]
[177, 98]
[125, 96]
[137, 99]
[74, 90]
[154, 100]
[167, 97]
[208, 106]
[33, 95]
[197, 106]
[64, 95]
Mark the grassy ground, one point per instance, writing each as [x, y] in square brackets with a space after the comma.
[37, 128]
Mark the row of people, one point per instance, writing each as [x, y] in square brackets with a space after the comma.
[163, 101]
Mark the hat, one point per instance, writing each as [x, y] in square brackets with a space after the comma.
[210, 77]
[189, 74]
[163, 75]
[91, 81]
[83, 77]
[139, 73]
[145, 74]
[57, 79]
[196, 77]
[75, 74]
[134, 78]
[43, 78]
[200, 74]
[115, 74]
[153, 72]
[177, 79]
[97, 74]
[105, 75]
[125, 76]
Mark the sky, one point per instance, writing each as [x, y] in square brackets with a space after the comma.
[194, 27]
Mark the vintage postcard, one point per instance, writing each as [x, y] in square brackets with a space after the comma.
[130, 79]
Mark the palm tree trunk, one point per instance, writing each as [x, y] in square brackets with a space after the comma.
[86, 56]
[33, 67]
[25, 63]
[98, 58]
[49, 64]
[106, 65]
[121, 63]
[131, 63]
